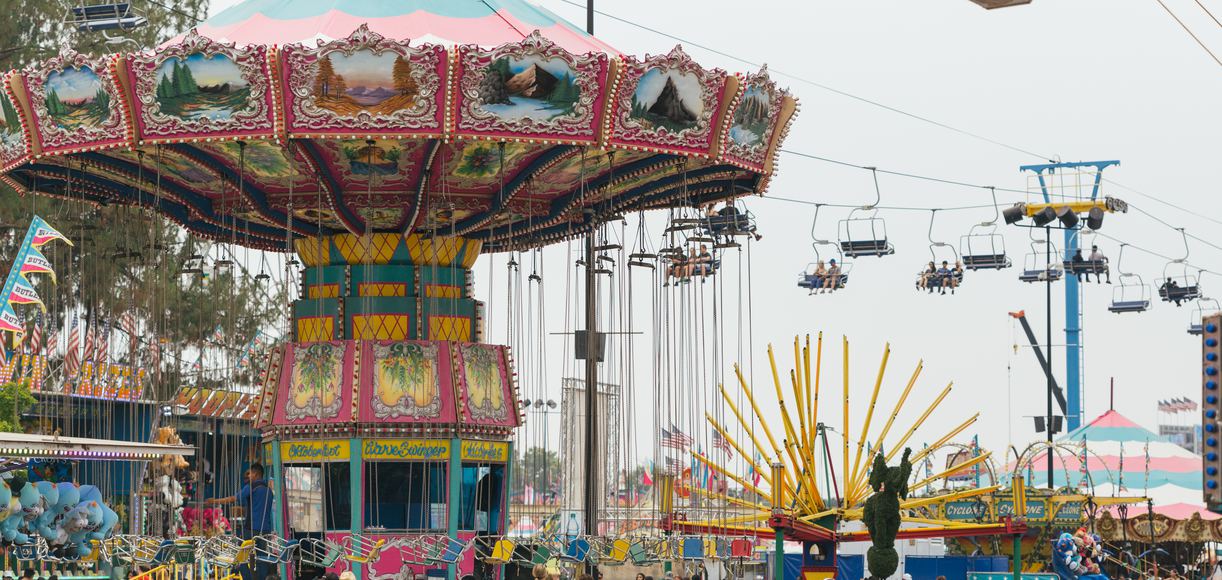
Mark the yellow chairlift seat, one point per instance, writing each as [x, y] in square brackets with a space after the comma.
[502, 551]
[363, 550]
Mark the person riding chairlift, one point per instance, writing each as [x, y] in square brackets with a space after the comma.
[946, 278]
[926, 276]
[818, 275]
[1097, 257]
[832, 280]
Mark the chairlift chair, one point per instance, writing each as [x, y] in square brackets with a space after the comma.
[1203, 307]
[983, 248]
[807, 278]
[935, 280]
[106, 16]
[1037, 268]
[1132, 295]
[1177, 283]
[860, 220]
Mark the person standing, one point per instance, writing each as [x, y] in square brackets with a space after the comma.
[255, 498]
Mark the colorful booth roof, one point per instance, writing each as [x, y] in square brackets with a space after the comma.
[429, 388]
[495, 121]
[1124, 458]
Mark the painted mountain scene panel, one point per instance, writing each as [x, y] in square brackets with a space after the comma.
[201, 87]
[365, 81]
[76, 98]
[529, 87]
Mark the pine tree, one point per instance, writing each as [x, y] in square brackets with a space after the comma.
[54, 105]
[11, 122]
[340, 86]
[184, 81]
[101, 104]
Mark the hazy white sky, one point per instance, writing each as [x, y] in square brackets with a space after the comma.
[1084, 80]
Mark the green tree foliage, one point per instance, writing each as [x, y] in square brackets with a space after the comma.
[127, 260]
[15, 399]
[10, 114]
[534, 467]
[54, 105]
[35, 29]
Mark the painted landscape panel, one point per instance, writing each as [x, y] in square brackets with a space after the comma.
[365, 81]
[75, 98]
[530, 87]
[751, 117]
[10, 125]
[668, 99]
[201, 87]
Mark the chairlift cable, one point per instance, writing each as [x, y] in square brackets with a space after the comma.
[815, 83]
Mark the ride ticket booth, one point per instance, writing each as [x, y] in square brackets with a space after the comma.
[389, 454]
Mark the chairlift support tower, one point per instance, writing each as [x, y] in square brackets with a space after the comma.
[1073, 300]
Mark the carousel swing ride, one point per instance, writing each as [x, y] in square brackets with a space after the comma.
[388, 165]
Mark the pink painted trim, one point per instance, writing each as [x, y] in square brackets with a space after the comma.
[488, 31]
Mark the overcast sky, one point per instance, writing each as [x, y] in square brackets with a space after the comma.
[1083, 80]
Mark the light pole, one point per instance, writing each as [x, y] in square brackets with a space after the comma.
[544, 408]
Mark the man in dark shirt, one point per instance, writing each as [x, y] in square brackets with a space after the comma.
[256, 500]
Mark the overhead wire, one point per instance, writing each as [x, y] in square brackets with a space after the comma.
[1189, 30]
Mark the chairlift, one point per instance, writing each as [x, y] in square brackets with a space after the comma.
[105, 16]
[1086, 266]
[983, 248]
[854, 241]
[937, 251]
[1178, 284]
[1132, 294]
[1202, 308]
[810, 278]
[1041, 264]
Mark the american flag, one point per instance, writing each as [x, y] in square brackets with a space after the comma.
[90, 333]
[674, 466]
[36, 335]
[720, 442]
[102, 355]
[53, 340]
[675, 439]
[127, 323]
[72, 361]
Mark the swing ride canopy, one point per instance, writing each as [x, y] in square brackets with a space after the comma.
[495, 121]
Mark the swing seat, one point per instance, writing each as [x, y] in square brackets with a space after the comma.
[639, 556]
[318, 552]
[541, 554]
[502, 552]
[740, 548]
[228, 551]
[692, 548]
[617, 552]
[183, 551]
[272, 549]
[576, 550]
[363, 550]
[451, 550]
[164, 553]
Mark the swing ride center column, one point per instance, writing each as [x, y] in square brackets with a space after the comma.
[388, 389]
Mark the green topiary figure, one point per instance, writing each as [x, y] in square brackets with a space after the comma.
[882, 514]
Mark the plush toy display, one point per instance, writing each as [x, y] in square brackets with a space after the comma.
[67, 516]
[203, 522]
[1078, 556]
